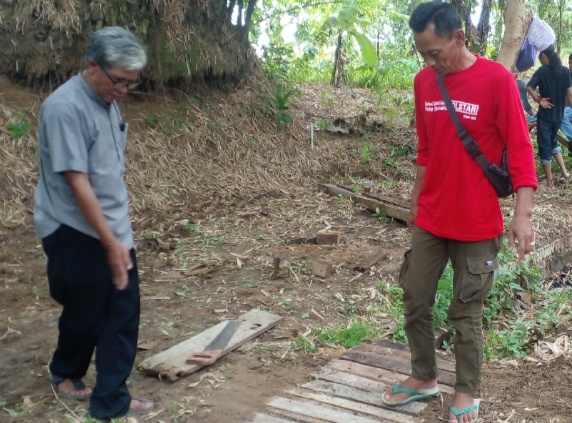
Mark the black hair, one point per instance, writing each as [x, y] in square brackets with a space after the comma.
[553, 59]
[443, 15]
[570, 58]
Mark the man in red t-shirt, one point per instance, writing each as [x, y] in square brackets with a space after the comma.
[455, 214]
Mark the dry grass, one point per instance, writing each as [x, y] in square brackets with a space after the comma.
[62, 15]
[188, 155]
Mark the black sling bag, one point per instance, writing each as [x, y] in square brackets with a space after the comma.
[497, 175]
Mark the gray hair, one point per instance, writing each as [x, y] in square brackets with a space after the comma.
[115, 46]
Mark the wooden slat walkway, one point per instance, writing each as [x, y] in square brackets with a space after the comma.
[349, 389]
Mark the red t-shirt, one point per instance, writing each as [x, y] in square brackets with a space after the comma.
[457, 201]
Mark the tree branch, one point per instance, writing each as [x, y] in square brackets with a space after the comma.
[303, 6]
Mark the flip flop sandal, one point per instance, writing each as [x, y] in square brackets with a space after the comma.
[77, 384]
[140, 411]
[474, 407]
[413, 395]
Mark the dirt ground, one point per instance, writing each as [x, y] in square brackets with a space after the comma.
[241, 383]
[236, 243]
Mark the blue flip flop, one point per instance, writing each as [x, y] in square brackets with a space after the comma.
[413, 395]
[474, 407]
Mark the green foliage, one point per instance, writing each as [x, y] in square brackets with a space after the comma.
[509, 280]
[366, 150]
[354, 333]
[516, 341]
[519, 337]
[393, 307]
[281, 102]
[153, 121]
[367, 49]
[377, 42]
[18, 129]
[304, 344]
[195, 227]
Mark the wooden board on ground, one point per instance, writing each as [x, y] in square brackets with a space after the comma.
[370, 261]
[393, 416]
[307, 411]
[265, 418]
[350, 380]
[404, 354]
[331, 390]
[328, 238]
[170, 364]
[322, 268]
[388, 206]
[393, 363]
[381, 375]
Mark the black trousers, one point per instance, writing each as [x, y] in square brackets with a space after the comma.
[95, 316]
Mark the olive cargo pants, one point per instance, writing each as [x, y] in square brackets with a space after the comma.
[473, 264]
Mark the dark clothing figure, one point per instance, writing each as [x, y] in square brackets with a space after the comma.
[552, 85]
[82, 217]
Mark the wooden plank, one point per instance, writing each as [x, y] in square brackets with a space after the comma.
[559, 246]
[373, 373]
[281, 264]
[322, 268]
[296, 417]
[404, 354]
[387, 415]
[371, 398]
[314, 411]
[370, 261]
[394, 364]
[265, 418]
[328, 238]
[170, 364]
[370, 201]
[351, 380]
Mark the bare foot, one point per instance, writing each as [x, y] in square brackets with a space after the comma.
[409, 383]
[67, 389]
[460, 402]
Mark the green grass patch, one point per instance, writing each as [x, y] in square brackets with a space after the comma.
[508, 332]
[354, 333]
[18, 129]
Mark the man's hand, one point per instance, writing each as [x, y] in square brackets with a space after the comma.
[120, 263]
[117, 253]
[419, 177]
[545, 102]
[520, 229]
[411, 218]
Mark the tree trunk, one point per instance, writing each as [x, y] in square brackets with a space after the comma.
[248, 21]
[484, 26]
[516, 25]
[560, 12]
[337, 60]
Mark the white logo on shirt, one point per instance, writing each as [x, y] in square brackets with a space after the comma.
[467, 110]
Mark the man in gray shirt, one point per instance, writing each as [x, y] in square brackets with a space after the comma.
[81, 216]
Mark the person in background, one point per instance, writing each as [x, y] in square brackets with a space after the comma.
[455, 213]
[566, 126]
[524, 99]
[81, 216]
[553, 83]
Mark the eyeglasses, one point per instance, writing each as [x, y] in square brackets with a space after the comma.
[120, 85]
